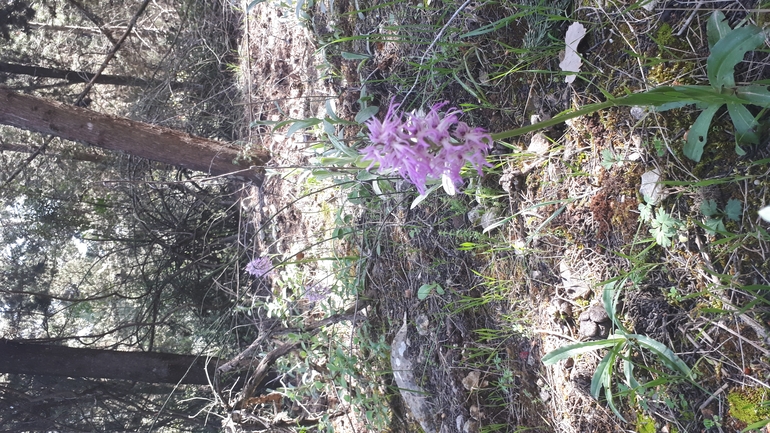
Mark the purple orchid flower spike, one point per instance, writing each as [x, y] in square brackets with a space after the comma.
[260, 267]
[429, 146]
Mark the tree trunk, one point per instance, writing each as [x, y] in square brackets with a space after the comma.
[153, 367]
[136, 138]
[84, 77]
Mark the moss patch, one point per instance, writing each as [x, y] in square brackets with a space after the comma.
[749, 405]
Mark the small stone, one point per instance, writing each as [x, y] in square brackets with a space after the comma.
[637, 112]
[459, 422]
[475, 412]
[651, 190]
[470, 427]
[589, 329]
[544, 395]
[539, 144]
[598, 314]
[423, 325]
[471, 380]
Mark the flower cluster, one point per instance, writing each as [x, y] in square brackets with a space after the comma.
[317, 292]
[420, 147]
[260, 267]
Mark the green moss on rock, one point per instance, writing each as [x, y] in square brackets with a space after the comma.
[749, 405]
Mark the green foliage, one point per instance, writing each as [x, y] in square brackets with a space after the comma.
[620, 347]
[749, 405]
[728, 46]
[714, 217]
[663, 226]
[426, 289]
[609, 159]
[645, 424]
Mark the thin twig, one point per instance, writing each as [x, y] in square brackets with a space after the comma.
[112, 52]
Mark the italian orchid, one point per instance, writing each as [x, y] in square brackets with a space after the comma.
[316, 292]
[260, 267]
[423, 147]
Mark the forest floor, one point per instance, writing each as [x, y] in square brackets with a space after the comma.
[548, 247]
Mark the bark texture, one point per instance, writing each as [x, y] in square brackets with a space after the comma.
[153, 367]
[136, 138]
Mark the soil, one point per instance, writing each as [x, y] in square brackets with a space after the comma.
[593, 214]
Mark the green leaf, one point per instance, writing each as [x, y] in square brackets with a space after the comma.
[602, 375]
[664, 227]
[366, 113]
[708, 207]
[714, 226]
[302, 124]
[733, 209]
[628, 369]
[716, 28]
[664, 353]
[491, 27]
[575, 349]
[610, 294]
[645, 211]
[353, 56]
[696, 137]
[604, 370]
[729, 51]
[745, 124]
[755, 94]
[608, 159]
[755, 426]
[424, 291]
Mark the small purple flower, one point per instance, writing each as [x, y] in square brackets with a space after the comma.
[260, 267]
[316, 292]
[422, 147]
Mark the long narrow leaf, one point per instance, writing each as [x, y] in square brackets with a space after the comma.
[729, 51]
[575, 349]
[667, 355]
[302, 124]
[610, 295]
[628, 370]
[608, 381]
[745, 124]
[601, 377]
[698, 134]
[756, 94]
[717, 28]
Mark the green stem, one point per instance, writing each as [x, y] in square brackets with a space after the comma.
[559, 118]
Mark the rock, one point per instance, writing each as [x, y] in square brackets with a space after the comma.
[598, 314]
[471, 380]
[539, 144]
[423, 325]
[573, 285]
[588, 329]
[414, 396]
[594, 322]
[470, 427]
[651, 190]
